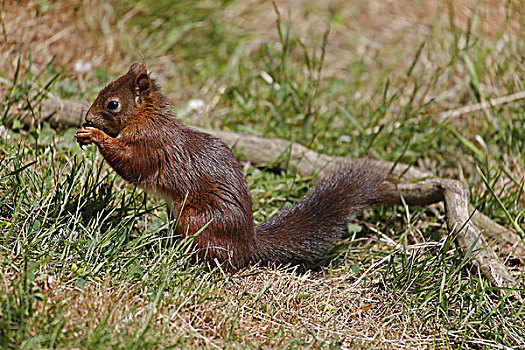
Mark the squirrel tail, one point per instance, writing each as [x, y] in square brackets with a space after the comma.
[304, 232]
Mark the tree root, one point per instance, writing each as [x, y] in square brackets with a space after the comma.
[476, 233]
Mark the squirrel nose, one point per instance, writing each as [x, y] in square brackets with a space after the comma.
[89, 119]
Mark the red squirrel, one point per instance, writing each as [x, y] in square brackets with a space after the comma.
[131, 124]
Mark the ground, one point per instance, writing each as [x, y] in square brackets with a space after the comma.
[89, 262]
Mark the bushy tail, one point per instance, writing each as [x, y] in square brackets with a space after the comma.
[306, 231]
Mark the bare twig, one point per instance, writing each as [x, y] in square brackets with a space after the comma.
[453, 113]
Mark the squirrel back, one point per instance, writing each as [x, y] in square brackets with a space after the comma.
[131, 124]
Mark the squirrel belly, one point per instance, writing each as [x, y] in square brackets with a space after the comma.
[131, 124]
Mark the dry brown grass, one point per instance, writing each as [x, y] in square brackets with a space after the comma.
[267, 306]
[62, 31]
[378, 32]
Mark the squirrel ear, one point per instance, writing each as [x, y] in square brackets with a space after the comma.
[137, 69]
[140, 76]
[142, 88]
[142, 83]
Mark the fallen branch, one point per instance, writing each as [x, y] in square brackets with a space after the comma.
[474, 230]
[459, 220]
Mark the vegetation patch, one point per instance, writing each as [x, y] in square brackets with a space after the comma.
[87, 261]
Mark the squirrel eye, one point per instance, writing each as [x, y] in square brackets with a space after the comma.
[112, 105]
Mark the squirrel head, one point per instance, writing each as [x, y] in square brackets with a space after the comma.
[122, 100]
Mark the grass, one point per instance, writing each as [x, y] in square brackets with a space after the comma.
[87, 261]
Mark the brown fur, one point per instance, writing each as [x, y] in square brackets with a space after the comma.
[143, 142]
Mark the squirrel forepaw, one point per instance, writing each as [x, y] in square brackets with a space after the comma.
[88, 135]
